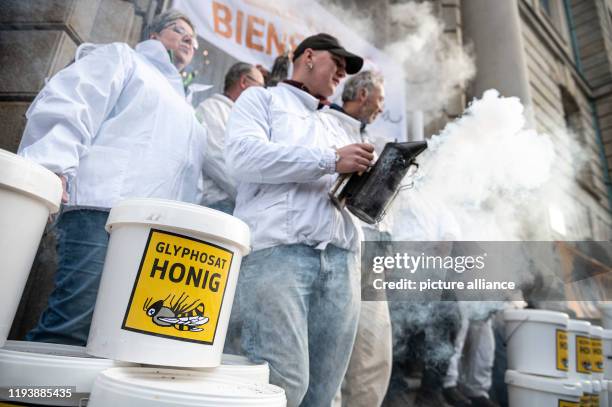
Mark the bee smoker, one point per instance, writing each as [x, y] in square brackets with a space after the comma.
[368, 195]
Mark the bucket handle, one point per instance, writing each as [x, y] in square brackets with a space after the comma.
[83, 402]
[506, 340]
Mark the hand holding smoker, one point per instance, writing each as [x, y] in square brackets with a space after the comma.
[368, 195]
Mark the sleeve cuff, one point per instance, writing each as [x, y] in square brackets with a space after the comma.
[328, 161]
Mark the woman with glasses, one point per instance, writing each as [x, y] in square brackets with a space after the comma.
[113, 125]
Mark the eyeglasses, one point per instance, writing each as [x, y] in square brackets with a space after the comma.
[184, 34]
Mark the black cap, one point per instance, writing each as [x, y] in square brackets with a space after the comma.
[326, 42]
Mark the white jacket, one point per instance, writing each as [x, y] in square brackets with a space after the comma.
[282, 155]
[116, 123]
[342, 122]
[214, 113]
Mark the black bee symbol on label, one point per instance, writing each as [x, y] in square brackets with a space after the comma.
[179, 314]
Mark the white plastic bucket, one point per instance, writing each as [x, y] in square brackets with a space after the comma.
[587, 393]
[607, 353]
[579, 342]
[240, 368]
[596, 393]
[149, 387]
[28, 194]
[168, 283]
[527, 390]
[537, 342]
[234, 367]
[597, 353]
[603, 396]
[36, 364]
[605, 308]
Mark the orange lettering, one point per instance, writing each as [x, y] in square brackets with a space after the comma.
[225, 20]
[239, 27]
[273, 37]
[252, 32]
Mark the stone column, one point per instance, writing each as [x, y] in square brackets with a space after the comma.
[494, 29]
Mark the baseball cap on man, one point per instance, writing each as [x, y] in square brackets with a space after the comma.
[326, 42]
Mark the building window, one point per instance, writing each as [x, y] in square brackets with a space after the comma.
[571, 114]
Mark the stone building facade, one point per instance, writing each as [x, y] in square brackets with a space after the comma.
[555, 55]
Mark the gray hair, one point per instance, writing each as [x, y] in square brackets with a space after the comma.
[234, 74]
[165, 19]
[363, 80]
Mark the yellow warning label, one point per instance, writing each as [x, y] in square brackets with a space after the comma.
[585, 401]
[583, 354]
[595, 400]
[597, 360]
[565, 403]
[562, 351]
[179, 289]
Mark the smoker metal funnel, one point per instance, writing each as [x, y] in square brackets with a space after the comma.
[368, 195]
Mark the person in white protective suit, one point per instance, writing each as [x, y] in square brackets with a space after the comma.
[298, 291]
[475, 360]
[113, 125]
[214, 113]
[367, 378]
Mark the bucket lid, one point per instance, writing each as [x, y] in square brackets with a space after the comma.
[181, 215]
[596, 331]
[587, 386]
[536, 315]
[564, 387]
[235, 366]
[578, 325]
[26, 176]
[185, 387]
[44, 363]
[596, 386]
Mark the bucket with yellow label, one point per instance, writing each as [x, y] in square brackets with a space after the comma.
[597, 356]
[579, 341]
[168, 283]
[530, 390]
[607, 353]
[545, 334]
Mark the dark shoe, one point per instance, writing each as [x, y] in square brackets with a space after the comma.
[482, 402]
[455, 398]
[428, 398]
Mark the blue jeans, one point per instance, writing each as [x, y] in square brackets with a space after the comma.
[81, 248]
[299, 309]
[226, 206]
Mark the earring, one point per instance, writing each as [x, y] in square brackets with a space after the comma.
[310, 65]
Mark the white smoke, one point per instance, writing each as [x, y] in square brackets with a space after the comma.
[436, 68]
[486, 168]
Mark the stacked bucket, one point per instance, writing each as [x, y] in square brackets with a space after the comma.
[161, 315]
[555, 361]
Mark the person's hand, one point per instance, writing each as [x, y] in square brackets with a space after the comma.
[354, 158]
[64, 188]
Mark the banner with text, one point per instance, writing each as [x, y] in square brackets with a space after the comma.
[257, 31]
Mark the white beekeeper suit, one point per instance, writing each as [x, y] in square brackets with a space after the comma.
[117, 125]
[285, 175]
[369, 371]
[214, 113]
